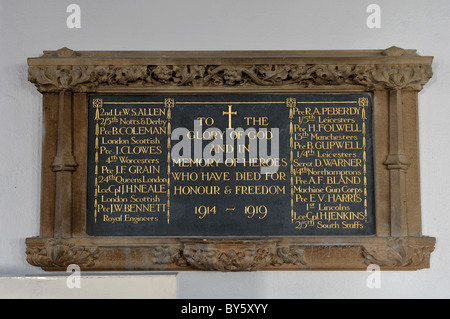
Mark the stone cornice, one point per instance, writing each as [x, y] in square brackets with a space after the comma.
[69, 70]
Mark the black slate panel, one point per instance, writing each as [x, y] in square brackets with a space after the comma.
[323, 185]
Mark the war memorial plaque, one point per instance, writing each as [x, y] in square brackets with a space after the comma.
[230, 161]
[251, 165]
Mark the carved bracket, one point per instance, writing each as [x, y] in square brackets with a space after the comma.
[398, 252]
[57, 253]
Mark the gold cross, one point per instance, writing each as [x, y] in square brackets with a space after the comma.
[229, 113]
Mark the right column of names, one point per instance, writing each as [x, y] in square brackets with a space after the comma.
[328, 156]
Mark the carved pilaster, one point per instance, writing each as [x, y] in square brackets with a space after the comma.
[397, 163]
[64, 160]
[63, 166]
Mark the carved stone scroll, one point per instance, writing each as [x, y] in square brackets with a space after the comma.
[399, 252]
[397, 163]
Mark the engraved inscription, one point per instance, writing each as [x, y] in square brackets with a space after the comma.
[330, 161]
[129, 183]
[230, 165]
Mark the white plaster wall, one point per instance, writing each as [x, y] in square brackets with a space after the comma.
[27, 27]
[111, 286]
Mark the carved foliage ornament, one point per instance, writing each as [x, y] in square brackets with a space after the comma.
[397, 252]
[242, 257]
[61, 253]
[227, 257]
[91, 78]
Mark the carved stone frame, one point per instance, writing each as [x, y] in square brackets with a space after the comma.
[66, 78]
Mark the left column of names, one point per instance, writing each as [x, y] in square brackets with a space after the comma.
[128, 167]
